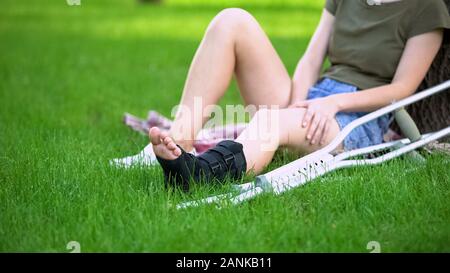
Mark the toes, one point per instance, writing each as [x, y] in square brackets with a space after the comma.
[155, 135]
[176, 151]
[172, 146]
[167, 140]
[163, 134]
[161, 137]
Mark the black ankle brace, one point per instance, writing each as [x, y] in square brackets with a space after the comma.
[225, 160]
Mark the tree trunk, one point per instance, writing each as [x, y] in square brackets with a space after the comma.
[433, 113]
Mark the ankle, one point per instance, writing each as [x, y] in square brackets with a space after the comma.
[186, 145]
[226, 160]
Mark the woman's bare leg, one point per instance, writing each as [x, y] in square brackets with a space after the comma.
[234, 43]
[267, 131]
[270, 129]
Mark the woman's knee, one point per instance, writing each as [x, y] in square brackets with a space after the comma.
[230, 20]
[285, 125]
[281, 121]
[265, 114]
[287, 116]
[289, 125]
[277, 126]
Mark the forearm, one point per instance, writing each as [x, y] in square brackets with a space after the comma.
[372, 99]
[309, 67]
[305, 76]
[414, 64]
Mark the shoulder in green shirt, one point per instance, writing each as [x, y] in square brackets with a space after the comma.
[368, 40]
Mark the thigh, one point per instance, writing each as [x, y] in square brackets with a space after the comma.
[261, 75]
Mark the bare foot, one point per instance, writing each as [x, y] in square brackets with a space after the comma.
[163, 145]
[225, 160]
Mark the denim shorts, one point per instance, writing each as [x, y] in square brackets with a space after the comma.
[365, 135]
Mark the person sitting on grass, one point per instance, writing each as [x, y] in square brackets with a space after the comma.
[379, 50]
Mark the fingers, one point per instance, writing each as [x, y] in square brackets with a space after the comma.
[307, 117]
[299, 104]
[317, 119]
[317, 136]
[313, 127]
[326, 129]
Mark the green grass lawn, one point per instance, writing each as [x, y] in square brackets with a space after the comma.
[67, 75]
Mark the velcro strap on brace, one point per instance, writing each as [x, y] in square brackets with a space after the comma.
[212, 161]
[238, 162]
[226, 154]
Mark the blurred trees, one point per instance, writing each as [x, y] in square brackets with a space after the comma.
[150, 1]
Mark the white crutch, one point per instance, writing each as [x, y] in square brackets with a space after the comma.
[322, 161]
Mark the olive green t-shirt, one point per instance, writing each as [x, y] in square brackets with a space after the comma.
[368, 40]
